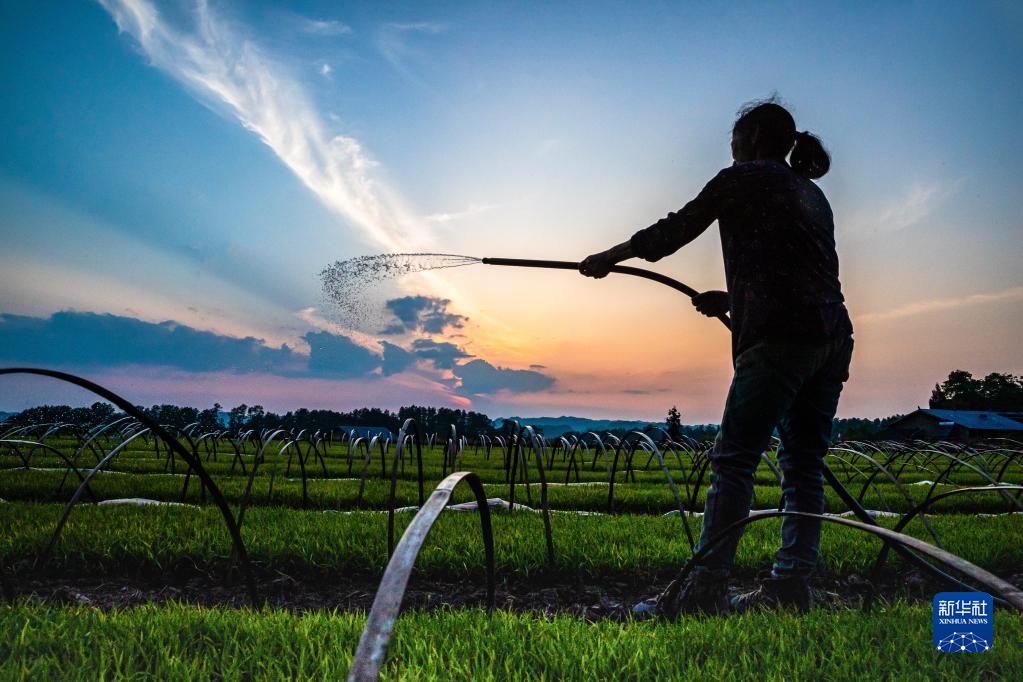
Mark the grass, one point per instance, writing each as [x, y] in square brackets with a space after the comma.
[188, 643]
[645, 496]
[137, 458]
[175, 641]
[159, 540]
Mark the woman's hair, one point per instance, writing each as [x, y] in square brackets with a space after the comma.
[777, 136]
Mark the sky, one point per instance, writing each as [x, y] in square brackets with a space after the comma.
[175, 176]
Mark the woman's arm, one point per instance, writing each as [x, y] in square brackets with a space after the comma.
[664, 237]
[671, 233]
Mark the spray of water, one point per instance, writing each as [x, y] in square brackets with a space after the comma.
[346, 282]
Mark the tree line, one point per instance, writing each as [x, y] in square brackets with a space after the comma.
[998, 392]
[429, 419]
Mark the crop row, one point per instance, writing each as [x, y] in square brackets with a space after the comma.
[490, 471]
[640, 497]
[165, 540]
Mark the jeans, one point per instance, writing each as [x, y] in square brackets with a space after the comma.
[794, 388]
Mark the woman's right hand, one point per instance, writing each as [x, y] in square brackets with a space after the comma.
[598, 265]
[712, 303]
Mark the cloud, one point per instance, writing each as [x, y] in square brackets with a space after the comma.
[334, 355]
[417, 27]
[479, 376]
[644, 391]
[940, 304]
[325, 69]
[422, 314]
[103, 340]
[471, 210]
[548, 145]
[394, 44]
[93, 340]
[311, 317]
[442, 353]
[911, 209]
[324, 27]
[919, 202]
[228, 72]
[396, 359]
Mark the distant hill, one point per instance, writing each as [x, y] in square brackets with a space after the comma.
[553, 427]
[5, 415]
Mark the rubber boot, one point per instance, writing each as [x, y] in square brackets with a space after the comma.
[702, 593]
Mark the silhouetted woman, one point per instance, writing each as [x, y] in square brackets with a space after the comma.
[791, 345]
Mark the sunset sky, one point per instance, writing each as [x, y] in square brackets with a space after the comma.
[174, 177]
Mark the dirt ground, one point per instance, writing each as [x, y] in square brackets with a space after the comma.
[589, 600]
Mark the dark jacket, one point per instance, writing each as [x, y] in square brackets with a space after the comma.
[778, 241]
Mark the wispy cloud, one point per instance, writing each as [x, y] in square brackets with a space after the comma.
[326, 69]
[941, 304]
[228, 72]
[393, 42]
[418, 26]
[916, 204]
[310, 315]
[325, 27]
[548, 145]
[471, 210]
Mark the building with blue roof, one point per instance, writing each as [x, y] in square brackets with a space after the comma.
[367, 431]
[960, 425]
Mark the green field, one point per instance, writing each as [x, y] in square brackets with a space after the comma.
[319, 533]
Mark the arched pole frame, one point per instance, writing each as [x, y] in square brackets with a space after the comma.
[535, 445]
[1006, 591]
[46, 448]
[93, 435]
[259, 458]
[417, 440]
[865, 517]
[918, 511]
[218, 498]
[45, 555]
[372, 649]
[881, 468]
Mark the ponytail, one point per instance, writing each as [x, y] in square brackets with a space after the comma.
[809, 158]
[778, 137]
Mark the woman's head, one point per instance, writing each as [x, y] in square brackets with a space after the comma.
[766, 130]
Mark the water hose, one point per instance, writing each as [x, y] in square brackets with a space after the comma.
[618, 269]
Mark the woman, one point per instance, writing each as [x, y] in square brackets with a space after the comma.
[791, 346]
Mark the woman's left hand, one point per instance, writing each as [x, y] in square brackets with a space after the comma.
[712, 303]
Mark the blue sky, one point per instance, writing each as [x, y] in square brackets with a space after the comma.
[198, 164]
